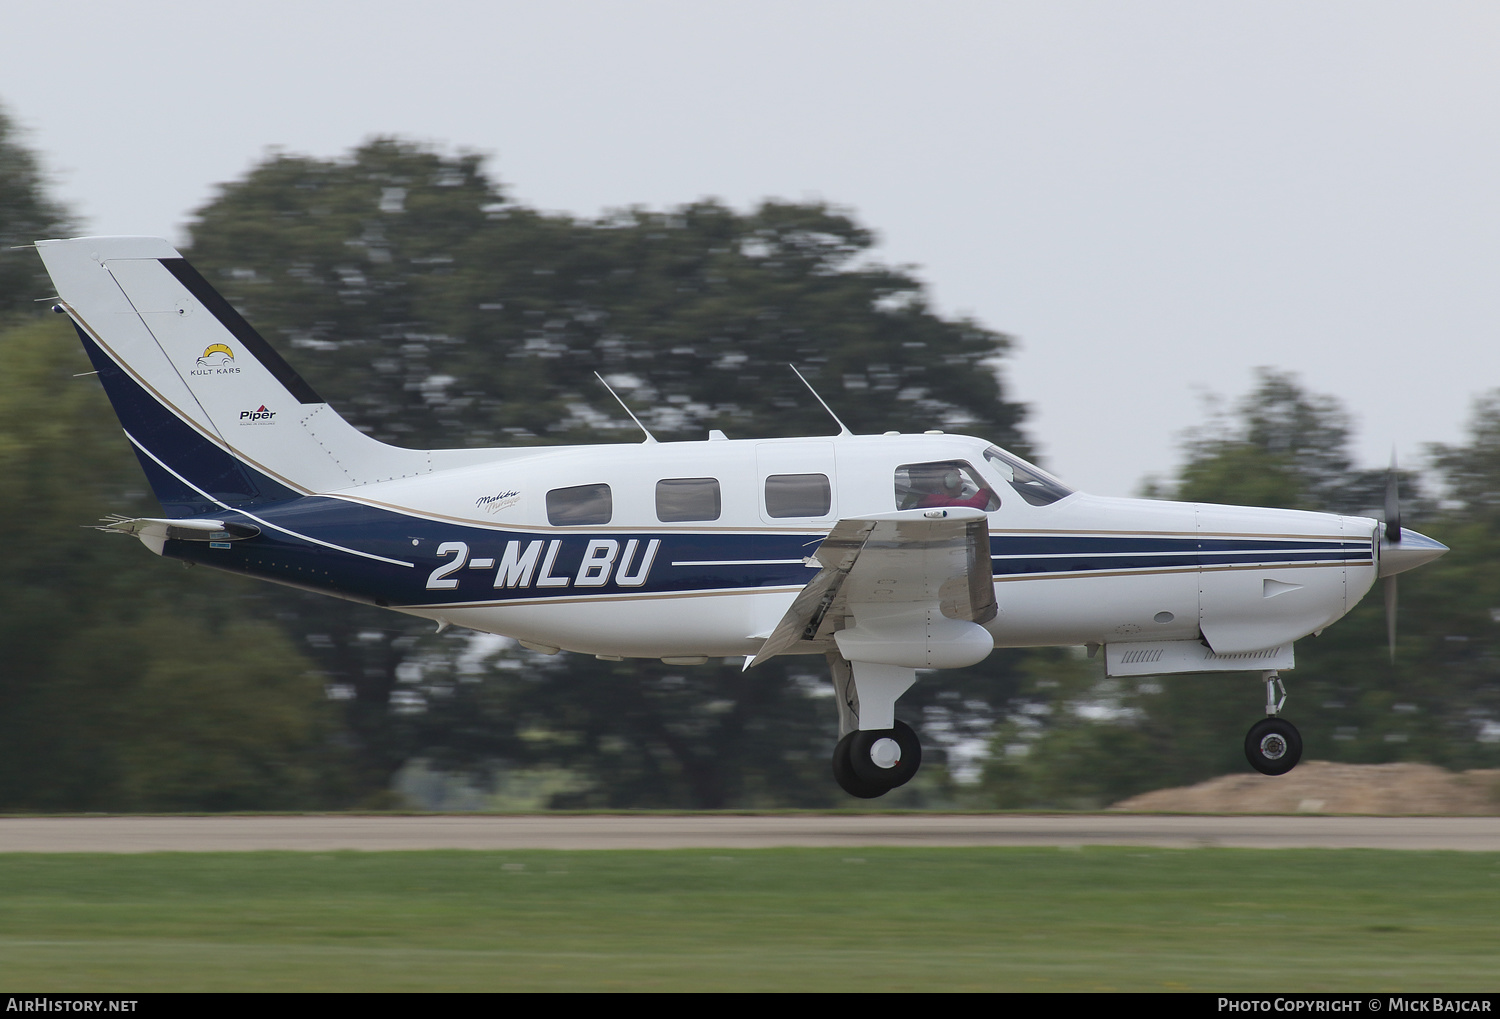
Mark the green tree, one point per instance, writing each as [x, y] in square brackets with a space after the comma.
[646, 734]
[1471, 471]
[1350, 702]
[434, 311]
[1090, 741]
[27, 214]
[128, 683]
[1282, 446]
[635, 734]
[1079, 741]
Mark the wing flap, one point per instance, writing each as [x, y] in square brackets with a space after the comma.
[809, 610]
[909, 578]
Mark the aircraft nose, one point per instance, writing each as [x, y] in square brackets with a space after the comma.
[1407, 553]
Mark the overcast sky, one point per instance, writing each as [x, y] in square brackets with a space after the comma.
[1154, 197]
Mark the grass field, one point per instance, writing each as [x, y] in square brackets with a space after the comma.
[792, 919]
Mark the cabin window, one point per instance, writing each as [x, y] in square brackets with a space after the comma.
[585, 504]
[1033, 484]
[687, 499]
[798, 495]
[943, 483]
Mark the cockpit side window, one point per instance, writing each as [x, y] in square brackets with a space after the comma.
[943, 483]
[585, 504]
[1033, 484]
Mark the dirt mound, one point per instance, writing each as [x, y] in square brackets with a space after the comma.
[1322, 787]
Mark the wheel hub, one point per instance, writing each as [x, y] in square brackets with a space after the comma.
[885, 753]
[1273, 746]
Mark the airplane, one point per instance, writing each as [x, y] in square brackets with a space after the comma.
[887, 554]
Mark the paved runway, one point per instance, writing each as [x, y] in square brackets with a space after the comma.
[322, 833]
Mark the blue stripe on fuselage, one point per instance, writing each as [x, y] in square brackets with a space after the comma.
[685, 562]
[1074, 554]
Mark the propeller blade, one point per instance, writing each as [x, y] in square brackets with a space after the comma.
[1392, 504]
[1390, 615]
[1392, 536]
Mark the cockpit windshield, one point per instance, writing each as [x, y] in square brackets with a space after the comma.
[1031, 483]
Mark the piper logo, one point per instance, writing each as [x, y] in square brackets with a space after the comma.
[258, 417]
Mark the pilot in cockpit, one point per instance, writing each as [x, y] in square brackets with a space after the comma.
[945, 485]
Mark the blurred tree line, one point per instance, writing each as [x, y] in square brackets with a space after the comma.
[433, 310]
[1075, 738]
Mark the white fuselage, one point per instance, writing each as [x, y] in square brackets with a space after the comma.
[579, 548]
[1080, 570]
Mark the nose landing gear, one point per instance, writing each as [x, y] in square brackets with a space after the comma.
[1273, 746]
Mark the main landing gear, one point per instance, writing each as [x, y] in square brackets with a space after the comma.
[1273, 746]
[872, 761]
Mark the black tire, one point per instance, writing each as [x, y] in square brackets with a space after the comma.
[843, 773]
[1273, 746]
[908, 761]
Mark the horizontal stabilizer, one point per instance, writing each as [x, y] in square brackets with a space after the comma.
[154, 532]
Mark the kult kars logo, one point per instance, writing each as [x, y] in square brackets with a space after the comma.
[217, 359]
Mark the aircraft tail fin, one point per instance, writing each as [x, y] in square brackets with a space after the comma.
[217, 417]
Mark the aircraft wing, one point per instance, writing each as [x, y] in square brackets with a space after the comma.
[894, 574]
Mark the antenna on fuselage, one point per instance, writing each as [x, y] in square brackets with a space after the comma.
[649, 437]
[843, 428]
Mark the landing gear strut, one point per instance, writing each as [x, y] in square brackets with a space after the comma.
[1273, 746]
[871, 762]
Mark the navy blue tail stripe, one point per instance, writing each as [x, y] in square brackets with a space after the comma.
[182, 448]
